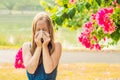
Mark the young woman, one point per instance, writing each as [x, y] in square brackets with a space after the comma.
[41, 56]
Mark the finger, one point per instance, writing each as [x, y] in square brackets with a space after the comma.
[46, 33]
[37, 33]
[36, 41]
[39, 38]
[46, 38]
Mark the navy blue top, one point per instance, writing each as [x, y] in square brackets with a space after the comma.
[41, 75]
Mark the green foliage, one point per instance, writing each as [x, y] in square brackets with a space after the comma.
[88, 5]
[71, 12]
[98, 2]
[66, 14]
[80, 7]
[118, 1]
[116, 36]
[59, 20]
[116, 18]
[74, 14]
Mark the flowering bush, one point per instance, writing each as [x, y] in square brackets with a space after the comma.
[100, 29]
[19, 59]
[103, 25]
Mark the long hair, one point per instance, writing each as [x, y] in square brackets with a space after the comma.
[43, 16]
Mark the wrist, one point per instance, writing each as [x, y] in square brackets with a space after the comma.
[45, 47]
[39, 47]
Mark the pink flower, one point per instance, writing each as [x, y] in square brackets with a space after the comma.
[88, 27]
[80, 38]
[98, 47]
[108, 10]
[102, 14]
[92, 46]
[93, 17]
[86, 42]
[72, 1]
[104, 39]
[103, 20]
[95, 38]
[108, 26]
[100, 20]
[84, 38]
[100, 17]
[19, 59]
[114, 2]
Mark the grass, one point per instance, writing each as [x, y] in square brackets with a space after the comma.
[76, 71]
[15, 29]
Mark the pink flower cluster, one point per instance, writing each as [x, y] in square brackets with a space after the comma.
[85, 37]
[114, 2]
[101, 19]
[19, 59]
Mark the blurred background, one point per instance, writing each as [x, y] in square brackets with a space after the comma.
[77, 62]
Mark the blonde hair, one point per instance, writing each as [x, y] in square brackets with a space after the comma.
[43, 16]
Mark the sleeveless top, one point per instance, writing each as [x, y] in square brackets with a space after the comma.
[41, 75]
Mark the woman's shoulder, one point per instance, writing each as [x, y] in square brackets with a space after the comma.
[26, 46]
[58, 45]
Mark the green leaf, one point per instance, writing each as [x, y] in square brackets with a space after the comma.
[80, 7]
[59, 20]
[88, 5]
[116, 35]
[118, 1]
[98, 2]
[119, 31]
[60, 11]
[65, 1]
[65, 5]
[71, 12]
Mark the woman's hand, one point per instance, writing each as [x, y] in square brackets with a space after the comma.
[46, 38]
[38, 37]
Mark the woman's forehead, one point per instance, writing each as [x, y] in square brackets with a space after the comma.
[41, 24]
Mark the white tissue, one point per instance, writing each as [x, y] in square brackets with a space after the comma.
[41, 33]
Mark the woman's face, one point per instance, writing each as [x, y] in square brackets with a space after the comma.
[41, 25]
